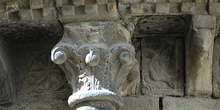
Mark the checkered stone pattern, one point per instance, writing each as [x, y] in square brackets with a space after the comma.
[84, 10]
[149, 7]
[27, 10]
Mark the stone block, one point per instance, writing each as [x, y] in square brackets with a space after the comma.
[216, 68]
[12, 6]
[199, 63]
[162, 7]
[130, 1]
[141, 103]
[175, 1]
[112, 8]
[188, 8]
[36, 4]
[114, 1]
[201, 1]
[59, 3]
[49, 13]
[91, 9]
[68, 11]
[162, 1]
[149, 8]
[150, 1]
[214, 1]
[78, 2]
[102, 9]
[175, 7]
[90, 2]
[102, 1]
[188, 1]
[201, 8]
[137, 9]
[162, 66]
[204, 21]
[26, 14]
[170, 103]
[214, 8]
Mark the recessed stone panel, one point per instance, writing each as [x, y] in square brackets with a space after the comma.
[45, 80]
[162, 66]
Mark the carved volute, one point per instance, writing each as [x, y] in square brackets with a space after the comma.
[99, 63]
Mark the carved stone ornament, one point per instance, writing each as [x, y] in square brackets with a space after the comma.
[99, 63]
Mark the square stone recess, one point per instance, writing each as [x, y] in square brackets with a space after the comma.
[162, 66]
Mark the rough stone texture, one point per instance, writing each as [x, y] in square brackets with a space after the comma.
[99, 63]
[45, 79]
[170, 103]
[155, 25]
[7, 81]
[86, 10]
[30, 28]
[156, 7]
[162, 68]
[214, 7]
[141, 103]
[204, 21]
[162, 7]
[216, 68]
[199, 63]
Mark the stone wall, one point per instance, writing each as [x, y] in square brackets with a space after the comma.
[176, 43]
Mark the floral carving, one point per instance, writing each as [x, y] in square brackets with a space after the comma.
[45, 76]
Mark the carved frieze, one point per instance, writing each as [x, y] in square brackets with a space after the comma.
[162, 66]
[32, 34]
[162, 25]
[99, 63]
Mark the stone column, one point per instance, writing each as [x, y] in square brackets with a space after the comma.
[199, 52]
[99, 63]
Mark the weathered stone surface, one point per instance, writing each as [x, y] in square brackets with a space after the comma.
[155, 7]
[101, 57]
[170, 103]
[162, 7]
[162, 67]
[7, 83]
[137, 9]
[204, 21]
[188, 7]
[99, 63]
[87, 10]
[45, 79]
[156, 24]
[216, 68]
[31, 34]
[214, 8]
[201, 8]
[37, 104]
[199, 62]
[141, 103]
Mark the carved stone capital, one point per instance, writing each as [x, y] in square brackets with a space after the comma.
[99, 63]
